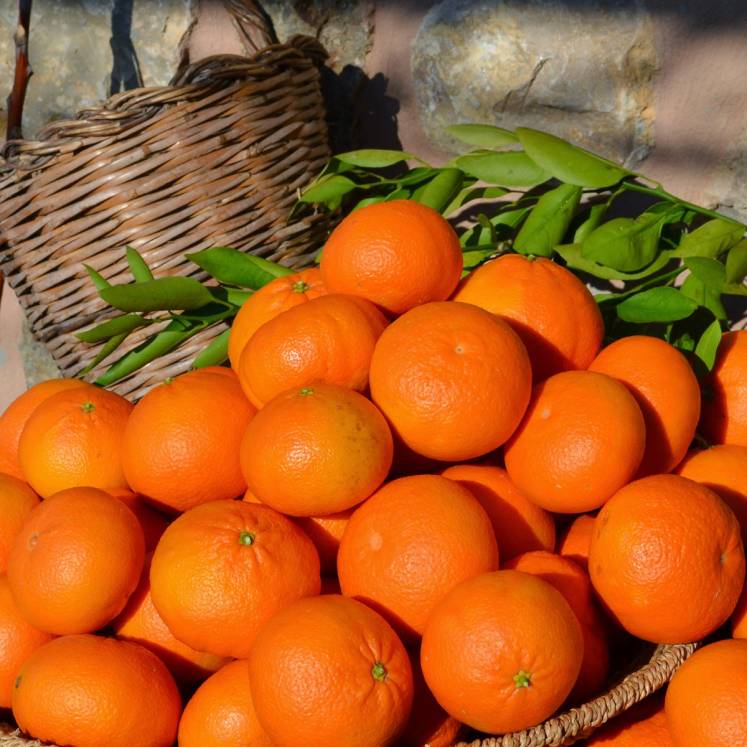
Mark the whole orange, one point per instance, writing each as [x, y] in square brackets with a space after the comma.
[723, 469]
[502, 651]
[666, 390]
[13, 420]
[18, 640]
[316, 450]
[574, 584]
[581, 439]
[278, 295]
[222, 569]
[724, 416]
[706, 703]
[643, 725]
[739, 618]
[410, 543]
[552, 311]
[329, 340]
[453, 380]
[575, 541]
[221, 712]
[397, 254]
[73, 439]
[181, 444]
[17, 501]
[152, 522]
[520, 526]
[667, 559]
[76, 561]
[329, 670]
[139, 622]
[91, 691]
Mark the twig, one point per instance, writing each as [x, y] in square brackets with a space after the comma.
[22, 74]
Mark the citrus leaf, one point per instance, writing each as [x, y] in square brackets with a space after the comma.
[233, 267]
[656, 305]
[568, 162]
[476, 256]
[736, 262]
[120, 325]
[482, 135]
[509, 169]
[574, 258]
[709, 271]
[703, 295]
[626, 244]
[708, 343]
[139, 269]
[441, 190]
[711, 239]
[467, 194]
[369, 201]
[156, 295]
[548, 221]
[375, 158]
[99, 281]
[106, 350]
[215, 353]
[596, 213]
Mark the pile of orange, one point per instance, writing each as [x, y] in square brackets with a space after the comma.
[421, 504]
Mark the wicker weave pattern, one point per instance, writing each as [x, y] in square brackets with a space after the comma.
[215, 159]
[564, 729]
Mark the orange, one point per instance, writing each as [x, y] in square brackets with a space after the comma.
[429, 724]
[739, 618]
[453, 380]
[501, 651]
[222, 569]
[724, 416]
[706, 703]
[667, 559]
[553, 312]
[91, 691]
[140, 622]
[519, 525]
[643, 725]
[576, 540]
[397, 254]
[329, 670]
[152, 522]
[17, 501]
[724, 470]
[316, 450]
[581, 440]
[666, 390]
[18, 640]
[410, 543]
[326, 533]
[221, 712]
[74, 439]
[13, 420]
[574, 584]
[278, 295]
[181, 444]
[76, 561]
[328, 340]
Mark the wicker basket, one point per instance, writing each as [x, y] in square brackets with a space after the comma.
[564, 729]
[216, 158]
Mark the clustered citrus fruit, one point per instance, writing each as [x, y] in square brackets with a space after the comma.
[419, 504]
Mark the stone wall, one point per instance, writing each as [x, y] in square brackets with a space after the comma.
[657, 84]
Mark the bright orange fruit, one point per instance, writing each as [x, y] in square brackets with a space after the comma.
[17, 501]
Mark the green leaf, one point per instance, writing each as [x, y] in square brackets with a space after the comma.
[736, 263]
[482, 135]
[328, 190]
[548, 221]
[709, 271]
[399, 194]
[467, 194]
[106, 350]
[704, 295]
[511, 218]
[215, 353]
[99, 281]
[626, 244]
[734, 289]
[708, 343]
[120, 325]
[369, 201]
[476, 256]
[711, 239]
[569, 163]
[233, 267]
[156, 295]
[139, 269]
[573, 256]
[441, 190]
[509, 169]
[487, 232]
[656, 305]
[375, 158]
[596, 213]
